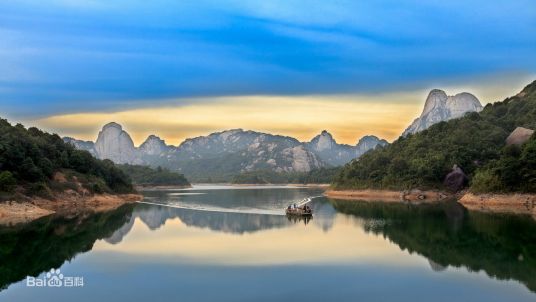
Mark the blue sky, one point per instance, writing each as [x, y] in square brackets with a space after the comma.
[64, 56]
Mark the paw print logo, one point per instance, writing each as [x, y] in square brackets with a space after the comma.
[55, 278]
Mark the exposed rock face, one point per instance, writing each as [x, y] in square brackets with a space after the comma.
[335, 154]
[519, 136]
[323, 141]
[440, 107]
[153, 145]
[369, 142]
[115, 144]
[82, 145]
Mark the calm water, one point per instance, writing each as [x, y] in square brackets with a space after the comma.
[233, 244]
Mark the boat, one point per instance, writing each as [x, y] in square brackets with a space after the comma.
[299, 211]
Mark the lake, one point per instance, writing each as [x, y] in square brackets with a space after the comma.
[222, 243]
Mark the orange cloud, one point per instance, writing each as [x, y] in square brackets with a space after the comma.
[347, 117]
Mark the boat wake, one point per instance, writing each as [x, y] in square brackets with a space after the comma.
[276, 212]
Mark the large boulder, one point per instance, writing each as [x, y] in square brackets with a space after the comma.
[456, 180]
[519, 136]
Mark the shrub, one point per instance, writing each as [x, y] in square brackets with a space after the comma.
[7, 182]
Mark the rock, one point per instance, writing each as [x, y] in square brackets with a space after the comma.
[519, 136]
[81, 145]
[334, 154]
[456, 180]
[369, 142]
[115, 144]
[153, 145]
[440, 107]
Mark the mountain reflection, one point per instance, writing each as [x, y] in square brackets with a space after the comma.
[503, 246]
[228, 222]
[30, 249]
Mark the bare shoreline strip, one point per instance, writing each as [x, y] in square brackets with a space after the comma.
[496, 203]
[12, 212]
[388, 195]
[501, 203]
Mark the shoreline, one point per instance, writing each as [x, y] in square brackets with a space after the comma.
[416, 196]
[283, 185]
[13, 212]
[515, 203]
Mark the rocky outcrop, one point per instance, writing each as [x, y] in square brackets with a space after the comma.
[456, 180]
[115, 144]
[440, 107]
[369, 142]
[153, 145]
[334, 154]
[519, 136]
[82, 145]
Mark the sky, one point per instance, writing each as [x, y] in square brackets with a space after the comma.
[186, 68]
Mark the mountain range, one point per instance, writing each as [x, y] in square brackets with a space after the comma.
[226, 153]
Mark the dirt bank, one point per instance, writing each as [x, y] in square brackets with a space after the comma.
[501, 203]
[12, 212]
[416, 196]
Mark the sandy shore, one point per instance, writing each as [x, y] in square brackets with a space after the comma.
[416, 196]
[501, 203]
[12, 212]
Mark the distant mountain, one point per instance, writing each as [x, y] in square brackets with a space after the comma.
[222, 155]
[440, 107]
[335, 154]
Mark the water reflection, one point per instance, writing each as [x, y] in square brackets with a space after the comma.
[30, 249]
[362, 241]
[503, 246]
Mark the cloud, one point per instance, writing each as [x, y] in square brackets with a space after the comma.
[59, 57]
[348, 117]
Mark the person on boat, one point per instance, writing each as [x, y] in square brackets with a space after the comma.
[294, 206]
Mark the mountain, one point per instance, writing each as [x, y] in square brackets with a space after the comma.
[476, 142]
[327, 149]
[153, 145]
[115, 144]
[222, 155]
[440, 107]
[369, 142]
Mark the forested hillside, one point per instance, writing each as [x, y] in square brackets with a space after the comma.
[29, 159]
[475, 142]
[143, 175]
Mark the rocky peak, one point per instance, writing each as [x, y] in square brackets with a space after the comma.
[115, 144]
[153, 145]
[323, 141]
[369, 142]
[440, 107]
[437, 99]
[461, 103]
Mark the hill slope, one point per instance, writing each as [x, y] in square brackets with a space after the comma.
[31, 158]
[475, 142]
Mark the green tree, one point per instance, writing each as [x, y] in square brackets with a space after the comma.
[7, 181]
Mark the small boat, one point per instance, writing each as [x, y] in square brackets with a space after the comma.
[299, 211]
